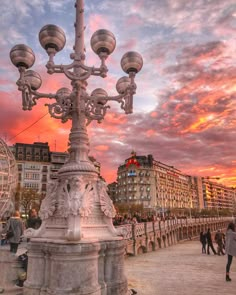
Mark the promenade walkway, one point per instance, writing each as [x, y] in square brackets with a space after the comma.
[180, 270]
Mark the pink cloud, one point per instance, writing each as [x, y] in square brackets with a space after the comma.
[97, 22]
[101, 148]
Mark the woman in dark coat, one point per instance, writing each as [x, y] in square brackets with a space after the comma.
[203, 241]
[15, 225]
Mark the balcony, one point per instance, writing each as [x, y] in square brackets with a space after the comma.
[54, 168]
[53, 175]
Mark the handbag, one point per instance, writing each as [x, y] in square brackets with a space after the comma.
[9, 234]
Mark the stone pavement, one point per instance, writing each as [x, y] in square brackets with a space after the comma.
[180, 269]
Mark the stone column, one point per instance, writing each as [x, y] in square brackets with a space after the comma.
[10, 268]
[114, 275]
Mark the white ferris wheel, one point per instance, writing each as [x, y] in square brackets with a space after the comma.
[8, 180]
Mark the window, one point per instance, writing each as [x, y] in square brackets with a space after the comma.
[45, 169]
[32, 167]
[45, 158]
[45, 152]
[37, 151]
[33, 176]
[44, 178]
[44, 187]
[32, 185]
[131, 173]
[28, 157]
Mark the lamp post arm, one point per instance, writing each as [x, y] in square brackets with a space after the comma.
[29, 96]
[84, 73]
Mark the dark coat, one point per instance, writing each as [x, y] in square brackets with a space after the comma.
[16, 225]
[33, 222]
[203, 238]
[208, 236]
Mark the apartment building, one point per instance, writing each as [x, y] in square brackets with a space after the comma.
[217, 196]
[33, 163]
[143, 180]
[162, 188]
[37, 165]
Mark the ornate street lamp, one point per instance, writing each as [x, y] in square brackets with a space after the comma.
[77, 208]
[75, 104]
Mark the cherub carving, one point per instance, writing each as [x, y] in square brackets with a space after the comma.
[48, 205]
[87, 200]
[105, 201]
[76, 197]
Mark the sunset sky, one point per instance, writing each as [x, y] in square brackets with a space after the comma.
[185, 106]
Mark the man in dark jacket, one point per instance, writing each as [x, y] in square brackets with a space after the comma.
[209, 243]
[33, 221]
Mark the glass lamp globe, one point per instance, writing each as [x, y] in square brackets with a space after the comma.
[33, 79]
[22, 56]
[131, 62]
[103, 41]
[51, 36]
[100, 95]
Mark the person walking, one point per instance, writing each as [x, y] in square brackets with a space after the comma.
[230, 248]
[203, 242]
[14, 226]
[219, 242]
[209, 242]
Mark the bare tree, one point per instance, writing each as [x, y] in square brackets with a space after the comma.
[27, 199]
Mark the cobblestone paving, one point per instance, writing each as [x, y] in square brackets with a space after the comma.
[180, 269]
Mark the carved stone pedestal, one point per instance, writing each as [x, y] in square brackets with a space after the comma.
[9, 270]
[88, 267]
[76, 250]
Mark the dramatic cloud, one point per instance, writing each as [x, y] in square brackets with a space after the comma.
[185, 105]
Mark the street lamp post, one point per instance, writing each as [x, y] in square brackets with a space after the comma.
[77, 211]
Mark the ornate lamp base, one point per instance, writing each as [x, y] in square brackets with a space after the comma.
[76, 250]
[95, 268]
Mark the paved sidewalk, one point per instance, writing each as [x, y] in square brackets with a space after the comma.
[180, 269]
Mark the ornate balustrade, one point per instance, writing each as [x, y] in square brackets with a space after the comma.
[149, 236]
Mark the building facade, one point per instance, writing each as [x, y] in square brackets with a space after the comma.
[160, 187]
[163, 188]
[217, 196]
[37, 165]
[33, 163]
